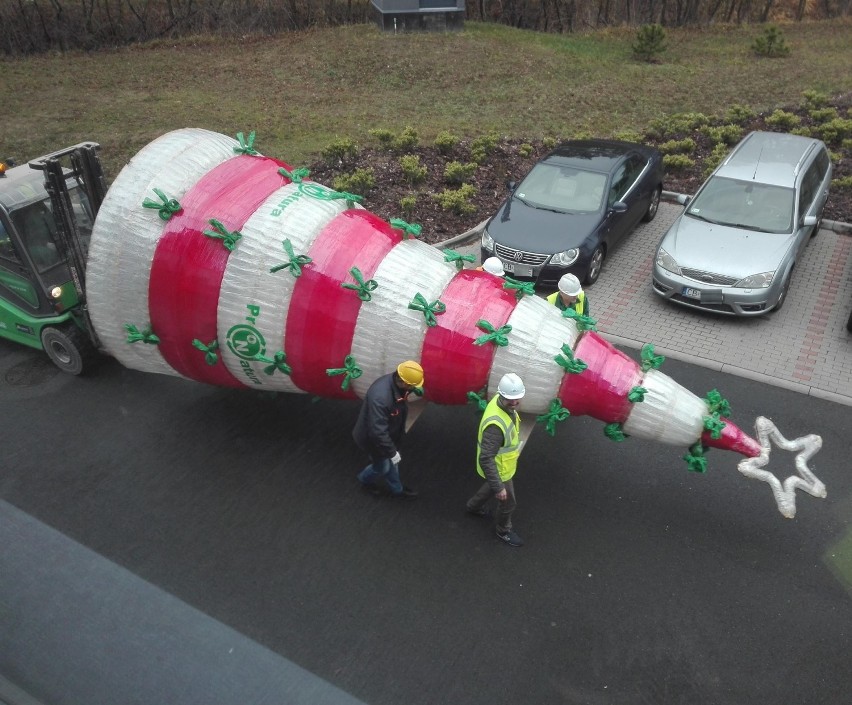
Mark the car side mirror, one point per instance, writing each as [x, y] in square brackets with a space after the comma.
[618, 207]
[683, 199]
[511, 184]
[809, 221]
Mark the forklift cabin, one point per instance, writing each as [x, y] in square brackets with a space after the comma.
[47, 211]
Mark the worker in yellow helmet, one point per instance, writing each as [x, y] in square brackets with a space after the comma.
[381, 426]
[570, 295]
[497, 450]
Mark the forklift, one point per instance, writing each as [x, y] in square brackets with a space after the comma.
[47, 211]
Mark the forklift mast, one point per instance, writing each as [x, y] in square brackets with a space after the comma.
[81, 163]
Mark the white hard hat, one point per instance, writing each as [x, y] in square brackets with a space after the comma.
[570, 285]
[493, 265]
[511, 386]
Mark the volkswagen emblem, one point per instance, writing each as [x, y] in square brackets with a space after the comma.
[518, 256]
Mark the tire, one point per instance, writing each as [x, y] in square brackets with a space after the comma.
[782, 297]
[595, 265]
[849, 323]
[653, 206]
[69, 348]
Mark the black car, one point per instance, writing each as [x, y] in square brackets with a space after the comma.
[572, 207]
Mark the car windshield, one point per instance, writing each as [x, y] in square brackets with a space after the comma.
[562, 188]
[744, 204]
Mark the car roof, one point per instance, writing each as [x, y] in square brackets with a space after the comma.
[595, 154]
[768, 158]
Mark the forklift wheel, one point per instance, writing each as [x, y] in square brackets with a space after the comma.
[69, 348]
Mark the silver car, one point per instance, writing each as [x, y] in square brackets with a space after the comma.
[733, 248]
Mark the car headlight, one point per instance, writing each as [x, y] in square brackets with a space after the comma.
[487, 241]
[756, 281]
[667, 262]
[566, 258]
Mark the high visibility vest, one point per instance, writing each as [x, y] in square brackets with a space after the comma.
[507, 456]
[578, 305]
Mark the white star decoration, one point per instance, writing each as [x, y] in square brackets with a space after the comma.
[805, 448]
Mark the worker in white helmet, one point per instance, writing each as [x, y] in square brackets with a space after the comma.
[497, 450]
[494, 266]
[570, 294]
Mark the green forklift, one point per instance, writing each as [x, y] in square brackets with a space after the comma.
[47, 211]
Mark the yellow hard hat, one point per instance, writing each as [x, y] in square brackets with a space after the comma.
[411, 373]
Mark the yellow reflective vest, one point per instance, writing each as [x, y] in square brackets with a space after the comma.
[579, 305]
[507, 456]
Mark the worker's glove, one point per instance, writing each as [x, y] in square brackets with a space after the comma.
[396, 458]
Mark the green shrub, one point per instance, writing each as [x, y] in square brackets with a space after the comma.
[845, 182]
[458, 200]
[783, 120]
[739, 114]
[525, 150]
[823, 114]
[771, 44]
[359, 181]
[458, 173]
[835, 131]
[650, 43]
[720, 151]
[725, 134]
[677, 161]
[482, 146]
[802, 131]
[408, 139]
[549, 142]
[678, 146]
[814, 99]
[384, 137]
[445, 142]
[412, 172]
[836, 157]
[847, 144]
[407, 204]
[340, 150]
[627, 136]
[677, 123]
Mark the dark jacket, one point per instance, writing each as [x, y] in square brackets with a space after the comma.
[381, 421]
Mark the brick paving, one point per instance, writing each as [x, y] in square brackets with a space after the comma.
[805, 346]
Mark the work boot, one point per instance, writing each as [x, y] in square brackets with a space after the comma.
[407, 493]
[509, 537]
[481, 512]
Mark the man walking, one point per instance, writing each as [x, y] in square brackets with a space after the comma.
[497, 451]
[570, 295]
[381, 425]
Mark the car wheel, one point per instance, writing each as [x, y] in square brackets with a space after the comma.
[69, 348]
[653, 206]
[595, 265]
[849, 323]
[782, 297]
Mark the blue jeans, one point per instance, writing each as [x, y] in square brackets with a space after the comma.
[383, 467]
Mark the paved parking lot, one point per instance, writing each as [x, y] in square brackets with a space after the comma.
[804, 346]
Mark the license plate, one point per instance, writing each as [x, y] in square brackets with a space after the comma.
[691, 293]
[519, 270]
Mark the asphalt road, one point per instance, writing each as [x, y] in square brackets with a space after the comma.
[148, 521]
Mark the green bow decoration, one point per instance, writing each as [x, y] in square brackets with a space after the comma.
[521, 288]
[349, 369]
[715, 425]
[166, 208]
[496, 336]
[278, 362]
[295, 263]
[351, 198]
[229, 239]
[568, 362]
[695, 460]
[649, 360]
[582, 322]
[210, 356]
[636, 394]
[555, 414]
[614, 432]
[296, 175]
[717, 403]
[409, 230]
[246, 145]
[478, 399]
[419, 303]
[458, 259]
[362, 287]
[146, 336]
